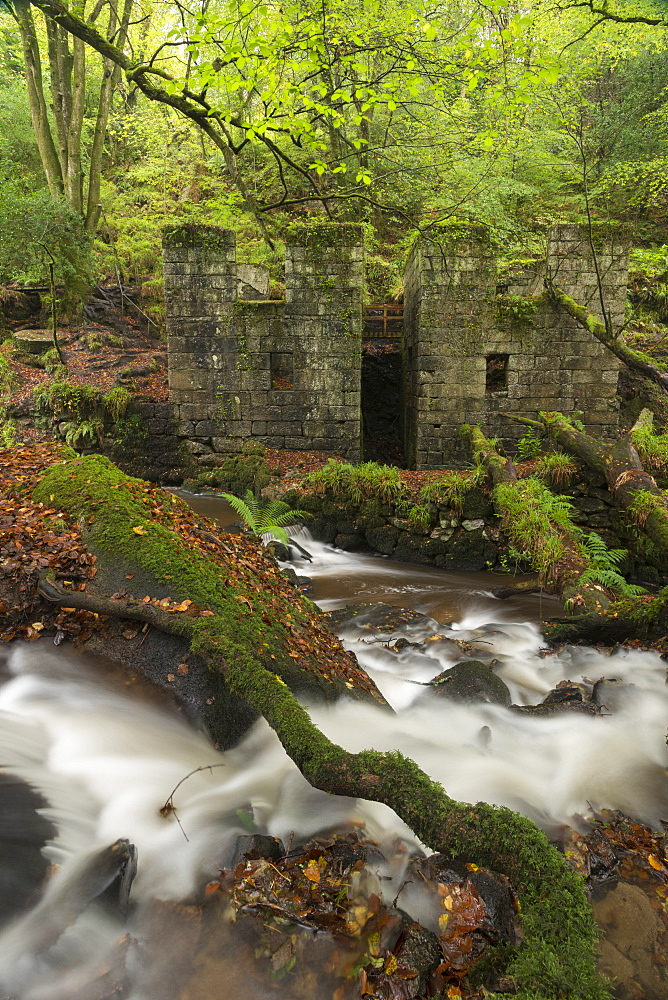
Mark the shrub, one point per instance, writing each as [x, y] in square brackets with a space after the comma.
[358, 482]
[557, 468]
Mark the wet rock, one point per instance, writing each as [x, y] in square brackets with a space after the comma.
[561, 695]
[610, 693]
[584, 707]
[417, 957]
[349, 542]
[494, 889]
[378, 618]
[279, 551]
[632, 950]
[256, 845]
[23, 833]
[382, 539]
[472, 681]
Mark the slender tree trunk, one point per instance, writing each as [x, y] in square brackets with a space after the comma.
[74, 175]
[111, 72]
[36, 101]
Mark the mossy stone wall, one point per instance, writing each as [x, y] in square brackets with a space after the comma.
[284, 373]
[460, 319]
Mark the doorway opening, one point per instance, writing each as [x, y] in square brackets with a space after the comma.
[382, 387]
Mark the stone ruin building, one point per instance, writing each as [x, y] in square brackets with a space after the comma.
[476, 343]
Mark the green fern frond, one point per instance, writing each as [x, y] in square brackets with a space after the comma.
[264, 518]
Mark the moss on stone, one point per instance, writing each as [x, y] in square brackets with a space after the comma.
[318, 235]
[192, 235]
[455, 231]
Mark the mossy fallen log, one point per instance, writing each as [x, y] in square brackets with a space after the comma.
[634, 360]
[632, 488]
[540, 526]
[131, 534]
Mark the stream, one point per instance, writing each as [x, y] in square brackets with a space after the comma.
[107, 754]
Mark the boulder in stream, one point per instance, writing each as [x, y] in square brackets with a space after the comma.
[472, 681]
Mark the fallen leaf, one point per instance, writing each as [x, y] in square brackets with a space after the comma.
[183, 668]
[140, 531]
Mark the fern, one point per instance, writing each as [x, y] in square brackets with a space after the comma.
[80, 434]
[262, 518]
[604, 566]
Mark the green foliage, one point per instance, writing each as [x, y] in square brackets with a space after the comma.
[7, 425]
[81, 411]
[557, 468]
[515, 309]
[116, 402]
[530, 445]
[82, 434]
[645, 503]
[652, 448]
[604, 566]
[264, 518]
[649, 261]
[535, 520]
[37, 229]
[450, 490]
[358, 482]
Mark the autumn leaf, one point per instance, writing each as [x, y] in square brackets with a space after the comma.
[140, 531]
[312, 871]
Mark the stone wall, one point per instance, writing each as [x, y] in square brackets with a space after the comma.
[475, 345]
[472, 354]
[284, 373]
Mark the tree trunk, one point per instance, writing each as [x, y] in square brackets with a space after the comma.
[36, 100]
[634, 360]
[117, 32]
[631, 487]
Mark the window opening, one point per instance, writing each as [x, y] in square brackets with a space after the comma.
[281, 367]
[496, 375]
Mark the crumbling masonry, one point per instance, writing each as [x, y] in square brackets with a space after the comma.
[476, 344]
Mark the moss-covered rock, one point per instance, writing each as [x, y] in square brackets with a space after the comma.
[472, 681]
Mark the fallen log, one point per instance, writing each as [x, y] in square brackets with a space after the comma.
[632, 488]
[636, 361]
[540, 526]
[130, 538]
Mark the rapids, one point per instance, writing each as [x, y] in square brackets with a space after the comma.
[107, 756]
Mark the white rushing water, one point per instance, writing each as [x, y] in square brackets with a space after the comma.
[107, 760]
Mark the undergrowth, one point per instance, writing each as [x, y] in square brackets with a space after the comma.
[556, 468]
[542, 530]
[452, 488]
[358, 482]
[81, 412]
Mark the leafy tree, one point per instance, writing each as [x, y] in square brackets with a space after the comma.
[59, 123]
[329, 95]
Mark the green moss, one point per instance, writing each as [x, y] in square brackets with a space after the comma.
[515, 309]
[198, 236]
[456, 231]
[238, 473]
[111, 505]
[318, 235]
